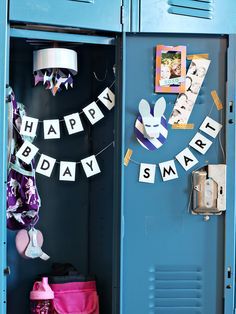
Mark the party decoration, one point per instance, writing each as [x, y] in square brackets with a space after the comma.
[151, 126]
[147, 173]
[27, 152]
[45, 165]
[170, 69]
[210, 127]
[186, 159]
[93, 113]
[168, 170]
[200, 143]
[47, 65]
[29, 126]
[73, 123]
[67, 171]
[107, 98]
[90, 166]
[186, 100]
[51, 129]
[216, 100]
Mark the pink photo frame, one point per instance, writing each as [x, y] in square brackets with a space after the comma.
[170, 69]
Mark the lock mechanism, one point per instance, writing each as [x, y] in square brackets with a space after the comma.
[209, 190]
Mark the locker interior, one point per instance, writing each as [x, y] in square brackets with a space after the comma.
[76, 218]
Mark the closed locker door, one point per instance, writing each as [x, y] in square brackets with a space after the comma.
[172, 260]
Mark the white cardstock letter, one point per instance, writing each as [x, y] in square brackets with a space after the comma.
[147, 173]
[45, 165]
[51, 129]
[27, 152]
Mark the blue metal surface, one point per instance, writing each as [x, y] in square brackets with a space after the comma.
[101, 15]
[156, 16]
[24, 33]
[3, 146]
[172, 261]
[229, 293]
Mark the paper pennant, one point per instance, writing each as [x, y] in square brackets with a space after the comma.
[67, 171]
[29, 126]
[90, 166]
[186, 159]
[107, 98]
[168, 170]
[93, 113]
[200, 143]
[73, 123]
[27, 152]
[45, 165]
[51, 129]
[147, 173]
[211, 127]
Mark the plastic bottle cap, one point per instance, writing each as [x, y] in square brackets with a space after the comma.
[41, 290]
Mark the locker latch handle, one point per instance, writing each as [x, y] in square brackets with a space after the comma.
[7, 271]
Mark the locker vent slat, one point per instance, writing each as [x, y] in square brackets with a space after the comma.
[194, 8]
[175, 290]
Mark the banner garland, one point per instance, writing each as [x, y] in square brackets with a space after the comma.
[185, 158]
[72, 121]
[46, 163]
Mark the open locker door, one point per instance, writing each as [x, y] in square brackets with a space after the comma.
[173, 261]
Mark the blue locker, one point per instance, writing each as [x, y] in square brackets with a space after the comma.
[87, 14]
[151, 255]
[184, 16]
[172, 261]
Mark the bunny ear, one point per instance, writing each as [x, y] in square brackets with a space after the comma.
[160, 107]
[144, 108]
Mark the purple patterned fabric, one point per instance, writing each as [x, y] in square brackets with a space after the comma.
[23, 200]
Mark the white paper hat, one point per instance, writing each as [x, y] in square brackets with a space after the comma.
[61, 58]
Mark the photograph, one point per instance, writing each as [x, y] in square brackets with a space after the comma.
[170, 69]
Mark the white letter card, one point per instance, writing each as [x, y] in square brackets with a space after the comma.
[45, 165]
[211, 127]
[73, 123]
[67, 171]
[29, 126]
[107, 98]
[147, 173]
[27, 152]
[90, 166]
[51, 129]
[200, 143]
[186, 159]
[168, 170]
[93, 113]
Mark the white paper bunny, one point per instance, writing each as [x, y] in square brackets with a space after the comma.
[152, 123]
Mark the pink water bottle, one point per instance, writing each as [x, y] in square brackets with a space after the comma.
[41, 297]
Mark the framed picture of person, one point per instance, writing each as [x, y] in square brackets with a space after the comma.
[170, 69]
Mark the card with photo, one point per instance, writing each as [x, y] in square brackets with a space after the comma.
[170, 69]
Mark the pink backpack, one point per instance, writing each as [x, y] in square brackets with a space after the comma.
[75, 298]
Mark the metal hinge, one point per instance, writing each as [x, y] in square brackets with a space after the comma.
[122, 15]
